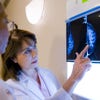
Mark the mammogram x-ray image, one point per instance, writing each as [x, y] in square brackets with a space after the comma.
[82, 30]
[90, 39]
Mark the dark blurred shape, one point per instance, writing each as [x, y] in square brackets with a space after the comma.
[5, 2]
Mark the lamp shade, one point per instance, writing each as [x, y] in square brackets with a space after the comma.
[34, 11]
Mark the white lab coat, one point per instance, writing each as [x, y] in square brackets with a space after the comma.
[26, 89]
[5, 91]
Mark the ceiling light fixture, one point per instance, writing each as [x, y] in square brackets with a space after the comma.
[34, 11]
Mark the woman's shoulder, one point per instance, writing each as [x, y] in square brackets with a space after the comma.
[12, 83]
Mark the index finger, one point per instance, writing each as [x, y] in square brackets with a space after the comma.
[84, 51]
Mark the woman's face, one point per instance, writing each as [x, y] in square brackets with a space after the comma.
[27, 57]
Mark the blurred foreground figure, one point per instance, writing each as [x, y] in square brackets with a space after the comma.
[5, 90]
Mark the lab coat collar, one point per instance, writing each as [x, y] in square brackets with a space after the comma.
[28, 83]
[45, 74]
[47, 79]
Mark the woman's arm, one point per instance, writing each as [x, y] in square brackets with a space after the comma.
[81, 65]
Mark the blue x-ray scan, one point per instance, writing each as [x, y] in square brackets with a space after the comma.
[90, 39]
[70, 41]
[84, 29]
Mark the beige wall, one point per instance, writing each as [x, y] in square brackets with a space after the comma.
[50, 32]
[75, 7]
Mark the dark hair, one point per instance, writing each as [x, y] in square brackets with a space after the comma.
[17, 36]
[2, 12]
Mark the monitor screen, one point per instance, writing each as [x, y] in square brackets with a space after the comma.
[84, 29]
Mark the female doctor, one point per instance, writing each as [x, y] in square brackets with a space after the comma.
[28, 80]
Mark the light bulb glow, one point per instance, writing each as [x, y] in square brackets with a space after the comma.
[34, 11]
